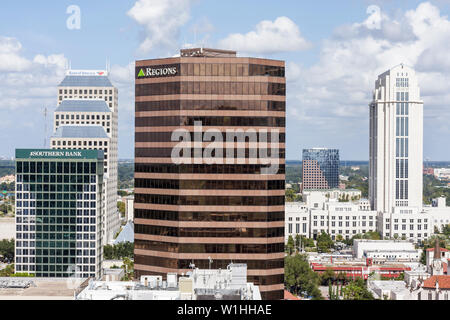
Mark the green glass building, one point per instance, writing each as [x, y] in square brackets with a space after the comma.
[58, 212]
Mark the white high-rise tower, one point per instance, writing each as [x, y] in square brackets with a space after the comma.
[396, 142]
[87, 118]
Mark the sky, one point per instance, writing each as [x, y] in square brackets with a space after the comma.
[334, 51]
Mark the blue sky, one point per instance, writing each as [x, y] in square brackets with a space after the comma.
[333, 56]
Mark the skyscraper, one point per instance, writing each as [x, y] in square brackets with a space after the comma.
[59, 212]
[203, 214]
[87, 118]
[320, 169]
[396, 141]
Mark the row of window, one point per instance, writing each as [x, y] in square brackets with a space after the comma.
[59, 182]
[401, 168]
[73, 116]
[42, 213]
[211, 88]
[210, 184]
[210, 121]
[226, 154]
[203, 168]
[167, 137]
[209, 216]
[209, 200]
[56, 167]
[401, 189]
[221, 69]
[411, 227]
[164, 105]
[205, 263]
[85, 91]
[208, 247]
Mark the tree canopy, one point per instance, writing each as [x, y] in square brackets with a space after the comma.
[324, 242]
[300, 278]
[118, 251]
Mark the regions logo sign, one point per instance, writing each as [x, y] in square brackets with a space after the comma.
[154, 72]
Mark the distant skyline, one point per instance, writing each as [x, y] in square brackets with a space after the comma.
[334, 52]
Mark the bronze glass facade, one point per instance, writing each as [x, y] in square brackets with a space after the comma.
[186, 213]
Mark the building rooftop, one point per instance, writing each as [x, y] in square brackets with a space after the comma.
[83, 106]
[86, 81]
[80, 132]
[35, 289]
[443, 281]
[227, 284]
[127, 233]
[207, 52]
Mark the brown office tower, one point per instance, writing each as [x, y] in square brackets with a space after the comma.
[202, 213]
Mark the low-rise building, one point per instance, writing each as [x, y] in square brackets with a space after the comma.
[362, 246]
[442, 173]
[228, 284]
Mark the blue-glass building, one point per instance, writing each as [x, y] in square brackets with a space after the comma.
[320, 168]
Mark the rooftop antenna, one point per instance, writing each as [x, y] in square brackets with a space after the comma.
[210, 262]
[45, 126]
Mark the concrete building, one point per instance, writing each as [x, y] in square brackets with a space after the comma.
[206, 207]
[37, 289]
[344, 219]
[318, 198]
[361, 246]
[228, 284]
[442, 173]
[396, 141]
[389, 290]
[59, 212]
[320, 168]
[86, 118]
[396, 159]
[129, 208]
[386, 250]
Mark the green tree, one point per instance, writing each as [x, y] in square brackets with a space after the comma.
[121, 207]
[328, 276]
[290, 245]
[118, 251]
[357, 290]
[298, 240]
[429, 243]
[324, 242]
[299, 277]
[122, 193]
[7, 249]
[128, 267]
[307, 242]
[446, 230]
[8, 271]
[289, 195]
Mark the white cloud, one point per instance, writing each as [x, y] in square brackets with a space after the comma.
[28, 83]
[162, 20]
[281, 35]
[349, 64]
[332, 95]
[10, 59]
